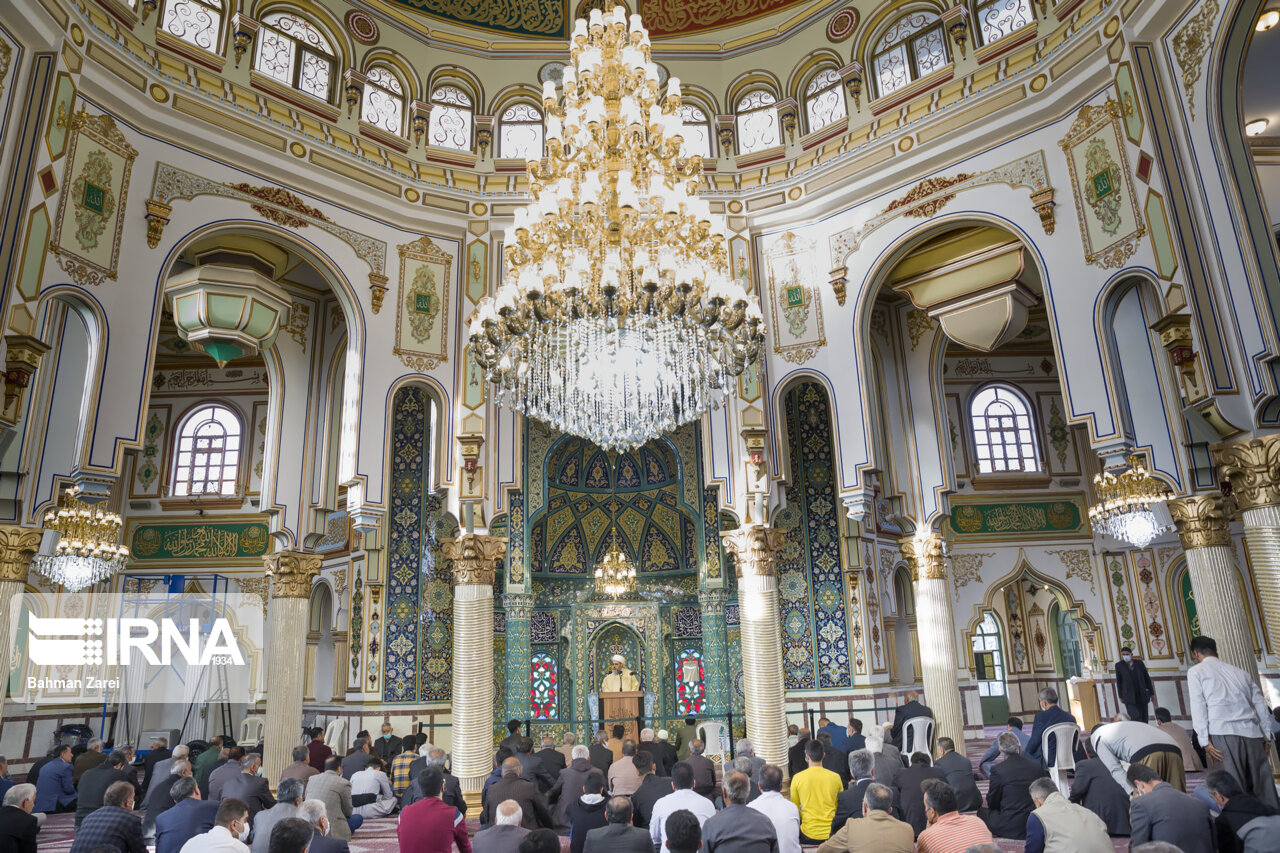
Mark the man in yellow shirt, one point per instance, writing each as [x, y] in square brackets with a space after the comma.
[814, 791]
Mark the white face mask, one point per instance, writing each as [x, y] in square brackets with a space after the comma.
[244, 833]
[1127, 658]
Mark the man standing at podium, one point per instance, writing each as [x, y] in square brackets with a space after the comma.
[620, 678]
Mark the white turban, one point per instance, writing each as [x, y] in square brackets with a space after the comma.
[619, 659]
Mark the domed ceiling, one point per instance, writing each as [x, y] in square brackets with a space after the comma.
[554, 18]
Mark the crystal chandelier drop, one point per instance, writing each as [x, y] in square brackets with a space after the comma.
[89, 548]
[615, 576]
[618, 318]
[1124, 508]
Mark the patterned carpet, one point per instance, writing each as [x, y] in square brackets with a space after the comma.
[379, 836]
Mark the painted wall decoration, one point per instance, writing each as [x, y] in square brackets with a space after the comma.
[1189, 611]
[1110, 224]
[477, 261]
[59, 125]
[91, 208]
[422, 305]
[1064, 516]
[1118, 588]
[1153, 611]
[815, 645]
[795, 307]
[221, 543]
[148, 468]
[1041, 650]
[473, 384]
[257, 446]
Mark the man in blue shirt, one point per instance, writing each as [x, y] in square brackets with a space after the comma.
[54, 790]
[1051, 714]
[190, 817]
[839, 734]
[855, 740]
[992, 756]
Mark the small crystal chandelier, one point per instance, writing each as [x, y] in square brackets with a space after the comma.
[616, 575]
[88, 546]
[1125, 502]
[618, 318]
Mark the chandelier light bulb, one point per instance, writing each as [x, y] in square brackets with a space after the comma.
[618, 318]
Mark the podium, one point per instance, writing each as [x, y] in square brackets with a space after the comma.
[1083, 699]
[622, 707]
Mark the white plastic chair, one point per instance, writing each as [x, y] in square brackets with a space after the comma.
[1066, 737]
[251, 730]
[917, 736]
[716, 737]
[335, 734]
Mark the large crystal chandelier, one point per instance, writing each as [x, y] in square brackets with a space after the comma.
[616, 575]
[89, 546]
[1125, 504]
[618, 318]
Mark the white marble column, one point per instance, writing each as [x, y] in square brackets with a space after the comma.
[1211, 563]
[1252, 467]
[756, 549]
[475, 560]
[935, 630]
[18, 545]
[289, 574]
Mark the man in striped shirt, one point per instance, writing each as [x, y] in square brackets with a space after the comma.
[948, 830]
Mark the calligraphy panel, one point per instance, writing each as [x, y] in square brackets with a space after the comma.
[1061, 517]
[222, 543]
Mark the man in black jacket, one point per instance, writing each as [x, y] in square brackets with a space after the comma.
[652, 788]
[833, 758]
[619, 835]
[910, 710]
[159, 752]
[795, 754]
[849, 803]
[1097, 790]
[387, 746]
[1009, 797]
[1133, 685]
[1246, 823]
[18, 827]
[250, 787]
[552, 759]
[959, 772]
[94, 784]
[451, 793]
[911, 794]
[600, 754]
[568, 786]
[532, 767]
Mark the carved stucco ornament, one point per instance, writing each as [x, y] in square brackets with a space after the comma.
[475, 557]
[1202, 521]
[291, 573]
[755, 549]
[18, 545]
[1252, 467]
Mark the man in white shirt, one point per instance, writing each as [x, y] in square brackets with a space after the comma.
[1132, 742]
[780, 810]
[683, 797]
[371, 794]
[1231, 719]
[230, 829]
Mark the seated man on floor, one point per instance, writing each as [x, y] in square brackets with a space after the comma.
[948, 831]
[874, 830]
[1009, 797]
[1059, 826]
[992, 755]
[1096, 790]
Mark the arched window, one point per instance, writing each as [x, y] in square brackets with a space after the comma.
[383, 101]
[207, 454]
[912, 47]
[691, 684]
[988, 657]
[450, 122]
[697, 131]
[196, 22]
[1068, 642]
[293, 50]
[998, 18]
[757, 122]
[823, 100]
[1002, 434]
[520, 132]
[542, 686]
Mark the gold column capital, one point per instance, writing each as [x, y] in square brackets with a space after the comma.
[475, 557]
[1201, 520]
[290, 573]
[17, 546]
[1252, 466]
[756, 549]
[923, 555]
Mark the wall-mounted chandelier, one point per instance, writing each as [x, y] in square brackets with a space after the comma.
[618, 318]
[616, 575]
[88, 549]
[1125, 507]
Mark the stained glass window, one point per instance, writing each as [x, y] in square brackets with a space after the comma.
[520, 132]
[998, 18]
[294, 51]
[823, 100]
[542, 686]
[757, 122]
[911, 48]
[697, 132]
[450, 122]
[383, 100]
[1002, 434]
[194, 21]
[691, 684]
[207, 455]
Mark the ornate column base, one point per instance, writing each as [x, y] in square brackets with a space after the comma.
[756, 549]
[290, 574]
[475, 560]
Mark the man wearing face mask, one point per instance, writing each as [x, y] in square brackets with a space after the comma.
[230, 831]
[250, 787]
[1133, 684]
[386, 746]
